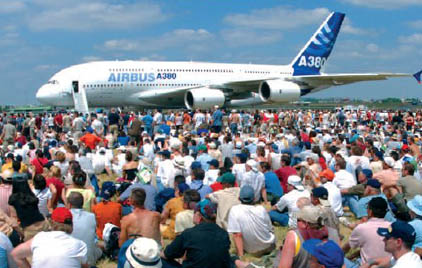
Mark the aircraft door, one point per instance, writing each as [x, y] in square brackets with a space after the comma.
[79, 97]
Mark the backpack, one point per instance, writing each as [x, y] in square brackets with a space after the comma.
[111, 235]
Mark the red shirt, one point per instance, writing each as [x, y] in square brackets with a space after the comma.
[58, 120]
[107, 212]
[283, 174]
[90, 140]
[39, 164]
[59, 187]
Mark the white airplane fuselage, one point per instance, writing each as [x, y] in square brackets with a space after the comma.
[117, 83]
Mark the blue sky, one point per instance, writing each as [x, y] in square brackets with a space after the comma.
[40, 37]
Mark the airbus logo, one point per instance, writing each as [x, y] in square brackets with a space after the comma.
[312, 61]
[139, 77]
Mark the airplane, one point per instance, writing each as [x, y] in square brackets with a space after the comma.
[201, 85]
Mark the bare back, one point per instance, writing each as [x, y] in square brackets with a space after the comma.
[141, 222]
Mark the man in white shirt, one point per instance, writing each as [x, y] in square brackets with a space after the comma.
[251, 226]
[289, 202]
[343, 179]
[211, 174]
[97, 126]
[56, 248]
[165, 170]
[255, 179]
[398, 240]
[334, 194]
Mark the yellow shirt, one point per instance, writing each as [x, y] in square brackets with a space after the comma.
[6, 166]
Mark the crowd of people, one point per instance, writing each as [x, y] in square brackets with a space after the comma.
[178, 188]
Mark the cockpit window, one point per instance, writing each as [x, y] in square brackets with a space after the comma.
[53, 82]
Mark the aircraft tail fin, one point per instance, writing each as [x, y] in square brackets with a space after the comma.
[314, 54]
[417, 76]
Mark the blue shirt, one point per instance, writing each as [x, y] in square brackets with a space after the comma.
[147, 120]
[204, 158]
[123, 141]
[150, 191]
[272, 184]
[417, 224]
[363, 204]
[202, 189]
[165, 128]
[217, 117]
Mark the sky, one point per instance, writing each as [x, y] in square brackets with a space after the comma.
[40, 37]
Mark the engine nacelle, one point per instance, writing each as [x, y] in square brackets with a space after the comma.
[279, 91]
[204, 98]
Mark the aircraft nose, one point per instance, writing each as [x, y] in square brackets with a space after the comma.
[44, 94]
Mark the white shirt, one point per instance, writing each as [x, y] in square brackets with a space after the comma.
[343, 179]
[254, 223]
[254, 179]
[289, 200]
[57, 249]
[410, 259]
[97, 126]
[43, 197]
[238, 171]
[166, 172]
[334, 197]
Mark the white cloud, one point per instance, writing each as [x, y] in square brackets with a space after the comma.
[348, 28]
[190, 39]
[12, 7]
[384, 4]
[414, 39]
[277, 18]
[87, 16]
[243, 37]
[91, 58]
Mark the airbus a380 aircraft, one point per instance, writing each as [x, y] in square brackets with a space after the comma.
[201, 85]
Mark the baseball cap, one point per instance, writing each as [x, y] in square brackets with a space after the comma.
[367, 172]
[207, 209]
[310, 214]
[165, 153]
[62, 215]
[322, 194]
[108, 190]
[296, 182]
[227, 177]
[380, 155]
[389, 161]
[327, 253]
[399, 229]
[202, 147]
[214, 162]
[327, 173]
[253, 164]
[405, 147]
[374, 183]
[247, 194]
[182, 187]
[243, 157]
[144, 253]
[195, 164]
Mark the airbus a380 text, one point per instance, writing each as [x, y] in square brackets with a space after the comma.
[201, 85]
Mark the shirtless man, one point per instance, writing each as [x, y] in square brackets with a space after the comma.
[141, 221]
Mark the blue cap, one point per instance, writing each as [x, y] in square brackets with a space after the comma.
[415, 205]
[243, 157]
[247, 194]
[165, 153]
[182, 187]
[320, 192]
[195, 164]
[380, 155]
[89, 129]
[327, 253]
[367, 172]
[373, 183]
[214, 162]
[399, 229]
[108, 190]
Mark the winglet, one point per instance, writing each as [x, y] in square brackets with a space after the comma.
[418, 76]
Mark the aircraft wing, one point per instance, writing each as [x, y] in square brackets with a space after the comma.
[342, 79]
[160, 96]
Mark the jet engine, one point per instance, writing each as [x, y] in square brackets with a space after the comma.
[279, 91]
[204, 98]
